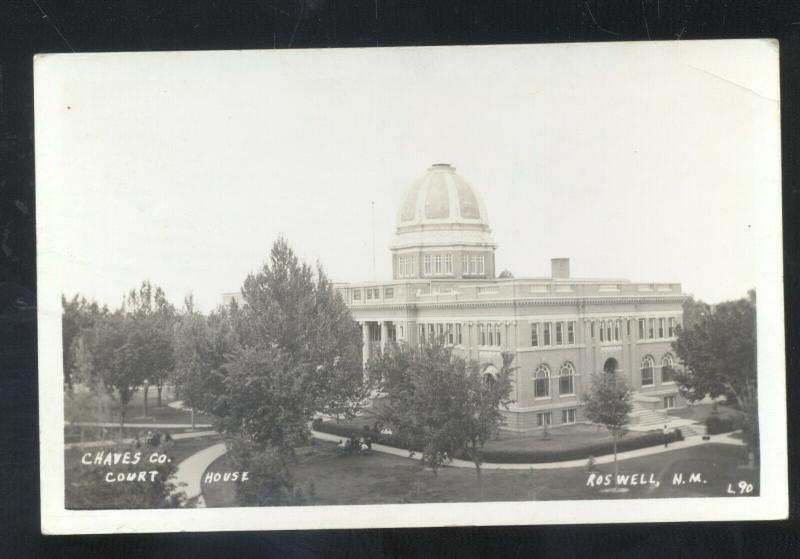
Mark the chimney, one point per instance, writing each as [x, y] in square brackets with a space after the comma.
[560, 268]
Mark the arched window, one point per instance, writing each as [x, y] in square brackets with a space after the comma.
[566, 379]
[667, 368]
[541, 382]
[647, 370]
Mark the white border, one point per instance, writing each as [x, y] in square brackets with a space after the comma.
[52, 72]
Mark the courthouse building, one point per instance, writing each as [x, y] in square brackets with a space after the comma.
[560, 329]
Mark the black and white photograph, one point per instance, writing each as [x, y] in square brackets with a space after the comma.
[426, 286]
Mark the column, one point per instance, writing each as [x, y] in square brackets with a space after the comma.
[384, 334]
[365, 349]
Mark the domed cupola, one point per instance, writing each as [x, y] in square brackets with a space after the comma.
[442, 229]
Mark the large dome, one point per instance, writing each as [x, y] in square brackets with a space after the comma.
[441, 209]
[441, 197]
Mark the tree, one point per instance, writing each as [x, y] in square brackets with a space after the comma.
[444, 404]
[718, 350]
[154, 317]
[608, 403]
[270, 483]
[78, 316]
[193, 361]
[117, 345]
[297, 352]
[505, 274]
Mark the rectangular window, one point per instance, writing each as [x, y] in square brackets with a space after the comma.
[431, 333]
[651, 332]
[570, 332]
[450, 334]
[568, 416]
[616, 330]
[402, 336]
[669, 402]
[464, 265]
[369, 293]
[544, 418]
[482, 334]
[559, 333]
[671, 330]
[472, 265]
[458, 334]
[591, 329]
[660, 327]
[499, 341]
[490, 327]
[602, 331]
[357, 295]
[547, 333]
[628, 326]
[641, 328]
[534, 335]
[448, 264]
[422, 333]
[410, 265]
[388, 293]
[438, 264]
[608, 331]
[427, 264]
[480, 265]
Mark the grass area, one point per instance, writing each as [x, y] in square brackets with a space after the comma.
[72, 434]
[375, 478]
[699, 412]
[134, 412]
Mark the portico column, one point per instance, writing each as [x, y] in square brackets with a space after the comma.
[384, 333]
[365, 349]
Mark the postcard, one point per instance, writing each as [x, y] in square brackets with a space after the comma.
[399, 287]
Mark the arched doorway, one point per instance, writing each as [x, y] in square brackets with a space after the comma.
[610, 366]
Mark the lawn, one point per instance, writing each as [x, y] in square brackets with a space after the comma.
[699, 412]
[339, 479]
[164, 414]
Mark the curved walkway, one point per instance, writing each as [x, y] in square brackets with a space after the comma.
[606, 459]
[190, 471]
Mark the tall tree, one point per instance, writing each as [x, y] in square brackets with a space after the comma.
[193, 360]
[718, 351]
[298, 353]
[608, 403]
[154, 318]
[78, 316]
[461, 421]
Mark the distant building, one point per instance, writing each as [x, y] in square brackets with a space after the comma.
[560, 329]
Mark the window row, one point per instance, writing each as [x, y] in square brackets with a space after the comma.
[546, 417]
[649, 329]
[647, 369]
[552, 333]
[406, 266]
[373, 293]
[657, 328]
[448, 333]
[487, 334]
[566, 380]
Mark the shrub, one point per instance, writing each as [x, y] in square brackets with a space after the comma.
[716, 424]
[517, 456]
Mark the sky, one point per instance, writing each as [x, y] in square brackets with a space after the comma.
[638, 161]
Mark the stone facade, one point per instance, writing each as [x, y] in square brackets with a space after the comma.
[560, 329]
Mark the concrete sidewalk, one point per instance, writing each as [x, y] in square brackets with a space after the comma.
[606, 459]
[190, 471]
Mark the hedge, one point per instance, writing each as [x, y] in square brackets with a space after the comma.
[716, 424]
[517, 456]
